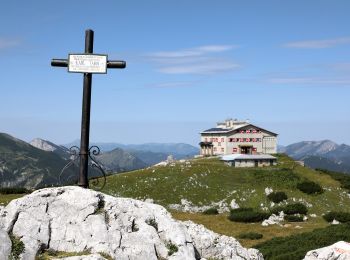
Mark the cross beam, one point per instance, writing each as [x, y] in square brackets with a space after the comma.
[86, 106]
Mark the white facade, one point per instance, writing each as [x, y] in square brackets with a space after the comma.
[237, 137]
[249, 160]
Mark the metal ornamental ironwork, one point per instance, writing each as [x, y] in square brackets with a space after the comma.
[87, 63]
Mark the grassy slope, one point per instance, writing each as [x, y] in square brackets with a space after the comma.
[209, 180]
[220, 224]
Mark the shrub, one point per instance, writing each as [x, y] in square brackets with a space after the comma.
[250, 235]
[240, 210]
[277, 197]
[295, 208]
[17, 247]
[13, 190]
[247, 215]
[296, 246]
[211, 211]
[340, 216]
[276, 210]
[172, 248]
[293, 218]
[291, 209]
[310, 187]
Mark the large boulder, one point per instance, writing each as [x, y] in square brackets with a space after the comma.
[73, 219]
[207, 243]
[337, 251]
[5, 245]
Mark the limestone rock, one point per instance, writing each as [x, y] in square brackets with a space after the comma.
[268, 191]
[234, 204]
[73, 219]
[273, 220]
[335, 222]
[5, 245]
[337, 251]
[43, 145]
[208, 243]
[188, 206]
[83, 257]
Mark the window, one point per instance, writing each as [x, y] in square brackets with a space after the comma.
[206, 139]
[219, 144]
[214, 149]
[222, 149]
[222, 139]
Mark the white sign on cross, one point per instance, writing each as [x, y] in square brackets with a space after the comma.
[87, 63]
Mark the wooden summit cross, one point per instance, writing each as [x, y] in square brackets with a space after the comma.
[87, 63]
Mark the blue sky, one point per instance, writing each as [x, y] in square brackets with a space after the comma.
[283, 65]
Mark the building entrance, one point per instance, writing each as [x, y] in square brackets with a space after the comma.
[246, 149]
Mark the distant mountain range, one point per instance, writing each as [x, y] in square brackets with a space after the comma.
[177, 150]
[23, 165]
[320, 154]
[39, 163]
[119, 160]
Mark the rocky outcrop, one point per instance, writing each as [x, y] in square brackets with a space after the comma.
[207, 243]
[43, 145]
[73, 219]
[337, 251]
[5, 245]
[273, 220]
[188, 206]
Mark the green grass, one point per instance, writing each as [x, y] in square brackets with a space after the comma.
[6, 198]
[52, 254]
[295, 247]
[209, 180]
[222, 225]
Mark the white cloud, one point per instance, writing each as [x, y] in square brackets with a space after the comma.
[210, 67]
[318, 44]
[8, 43]
[198, 51]
[199, 60]
[216, 48]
